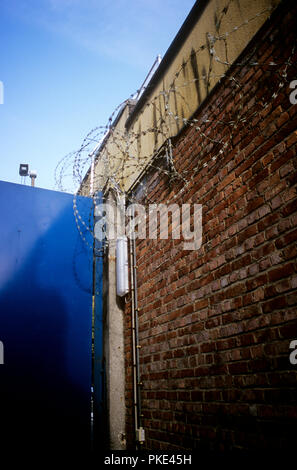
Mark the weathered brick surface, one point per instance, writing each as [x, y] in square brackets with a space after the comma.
[215, 324]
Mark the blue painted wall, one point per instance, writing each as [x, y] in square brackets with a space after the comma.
[45, 319]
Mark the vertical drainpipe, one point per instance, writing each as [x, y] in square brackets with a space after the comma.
[92, 175]
[139, 431]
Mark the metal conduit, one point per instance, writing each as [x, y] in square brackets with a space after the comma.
[139, 433]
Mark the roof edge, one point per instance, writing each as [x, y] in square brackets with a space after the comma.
[169, 56]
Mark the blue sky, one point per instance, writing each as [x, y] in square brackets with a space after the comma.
[65, 66]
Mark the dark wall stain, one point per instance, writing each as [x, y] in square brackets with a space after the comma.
[139, 141]
[194, 65]
[155, 125]
[204, 74]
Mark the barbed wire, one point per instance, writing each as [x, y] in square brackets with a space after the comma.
[119, 157]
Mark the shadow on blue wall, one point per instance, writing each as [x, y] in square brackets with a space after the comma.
[45, 322]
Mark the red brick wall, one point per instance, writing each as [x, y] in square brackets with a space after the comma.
[215, 324]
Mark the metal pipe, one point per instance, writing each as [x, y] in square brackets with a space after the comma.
[135, 342]
[136, 332]
[149, 75]
[133, 326]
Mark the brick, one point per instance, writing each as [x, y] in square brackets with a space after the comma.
[292, 139]
[286, 239]
[256, 282]
[215, 325]
[281, 272]
[275, 304]
[244, 235]
[238, 368]
[290, 208]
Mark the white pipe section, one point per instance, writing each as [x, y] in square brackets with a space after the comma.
[122, 266]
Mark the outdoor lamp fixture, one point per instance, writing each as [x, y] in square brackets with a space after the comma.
[24, 172]
[24, 169]
[33, 176]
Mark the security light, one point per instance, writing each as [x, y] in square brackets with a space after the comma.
[24, 169]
